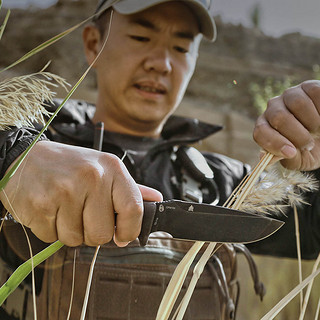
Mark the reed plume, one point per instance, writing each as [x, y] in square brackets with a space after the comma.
[278, 190]
[23, 98]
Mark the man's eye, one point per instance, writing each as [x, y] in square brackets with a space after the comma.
[180, 49]
[140, 38]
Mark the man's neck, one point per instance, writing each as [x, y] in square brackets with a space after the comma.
[129, 127]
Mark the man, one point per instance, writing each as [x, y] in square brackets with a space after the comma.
[148, 54]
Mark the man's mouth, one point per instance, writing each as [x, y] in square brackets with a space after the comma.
[150, 89]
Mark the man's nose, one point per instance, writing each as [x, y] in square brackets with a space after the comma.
[158, 60]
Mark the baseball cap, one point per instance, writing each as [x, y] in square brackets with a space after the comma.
[200, 8]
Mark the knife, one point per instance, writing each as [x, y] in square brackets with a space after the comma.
[205, 222]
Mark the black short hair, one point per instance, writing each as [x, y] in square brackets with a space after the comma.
[102, 21]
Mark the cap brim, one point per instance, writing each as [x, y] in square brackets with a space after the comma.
[206, 22]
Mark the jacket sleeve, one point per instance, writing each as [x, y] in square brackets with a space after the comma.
[14, 142]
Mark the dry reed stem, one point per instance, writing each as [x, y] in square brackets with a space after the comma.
[283, 302]
[73, 283]
[86, 298]
[296, 224]
[177, 281]
[180, 273]
[283, 189]
[307, 296]
[3, 26]
[317, 311]
[249, 183]
[198, 269]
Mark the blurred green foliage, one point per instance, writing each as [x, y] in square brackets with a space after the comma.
[272, 87]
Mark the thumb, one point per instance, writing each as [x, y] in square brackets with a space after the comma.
[150, 194]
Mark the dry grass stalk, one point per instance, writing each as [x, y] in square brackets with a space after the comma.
[236, 199]
[296, 224]
[73, 283]
[283, 302]
[22, 98]
[86, 298]
[317, 311]
[198, 269]
[180, 273]
[3, 26]
[307, 296]
[288, 188]
[177, 281]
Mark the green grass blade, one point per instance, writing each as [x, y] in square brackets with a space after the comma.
[23, 270]
[3, 26]
[45, 45]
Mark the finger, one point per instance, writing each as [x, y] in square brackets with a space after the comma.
[69, 224]
[305, 160]
[312, 89]
[119, 243]
[303, 108]
[98, 211]
[271, 140]
[286, 124]
[98, 218]
[128, 204]
[42, 222]
[44, 228]
[150, 194]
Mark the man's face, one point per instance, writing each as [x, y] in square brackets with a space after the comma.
[146, 65]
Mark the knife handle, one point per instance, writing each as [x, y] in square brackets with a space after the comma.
[147, 222]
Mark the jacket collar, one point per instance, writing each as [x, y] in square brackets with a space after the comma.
[74, 122]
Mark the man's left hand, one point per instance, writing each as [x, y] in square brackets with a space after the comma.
[290, 127]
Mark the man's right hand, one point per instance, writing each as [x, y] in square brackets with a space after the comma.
[70, 194]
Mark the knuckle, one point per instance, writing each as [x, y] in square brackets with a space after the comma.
[311, 85]
[271, 102]
[41, 203]
[278, 118]
[71, 241]
[260, 128]
[293, 100]
[65, 188]
[98, 238]
[90, 173]
[134, 208]
[312, 88]
[48, 236]
[134, 213]
[113, 163]
[256, 133]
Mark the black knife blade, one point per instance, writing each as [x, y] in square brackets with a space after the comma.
[205, 222]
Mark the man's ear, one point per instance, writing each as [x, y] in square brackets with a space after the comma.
[91, 40]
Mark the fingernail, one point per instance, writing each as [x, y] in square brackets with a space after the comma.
[122, 244]
[309, 146]
[288, 151]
